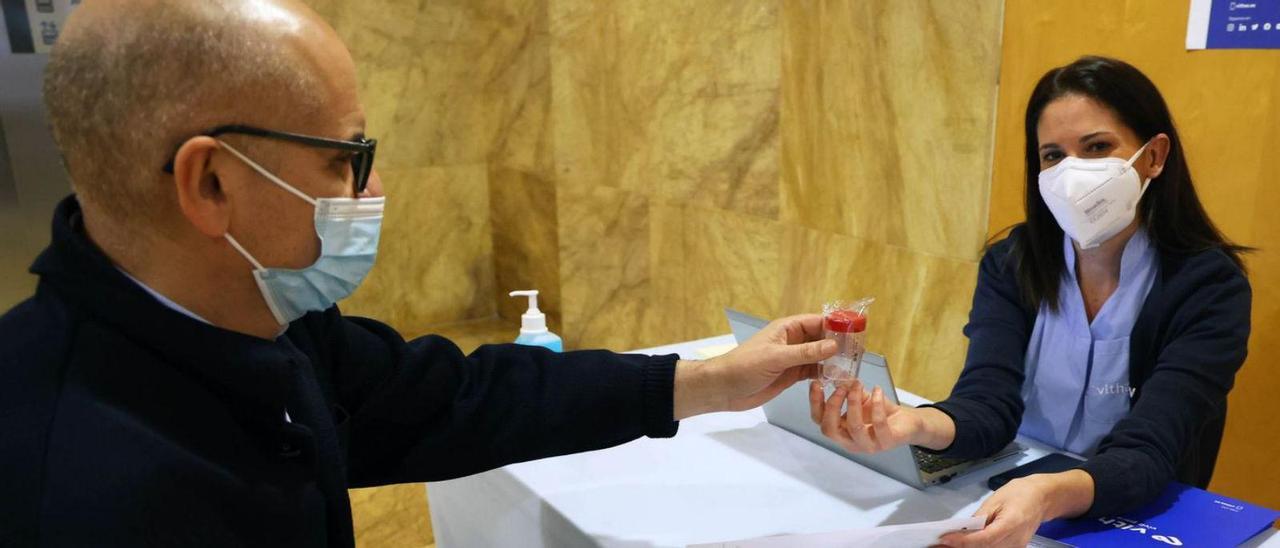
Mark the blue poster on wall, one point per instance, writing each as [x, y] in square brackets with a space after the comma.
[1234, 24]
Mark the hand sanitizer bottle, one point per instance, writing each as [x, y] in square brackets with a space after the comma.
[533, 325]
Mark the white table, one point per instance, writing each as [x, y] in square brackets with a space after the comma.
[725, 476]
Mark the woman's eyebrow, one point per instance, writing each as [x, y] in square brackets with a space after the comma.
[1094, 134]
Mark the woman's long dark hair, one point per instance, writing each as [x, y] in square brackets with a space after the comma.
[1170, 210]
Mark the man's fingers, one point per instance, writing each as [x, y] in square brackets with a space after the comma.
[790, 329]
[801, 328]
[792, 355]
[810, 371]
[794, 341]
[799, 373]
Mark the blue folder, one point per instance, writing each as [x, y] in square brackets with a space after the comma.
[1181, 516]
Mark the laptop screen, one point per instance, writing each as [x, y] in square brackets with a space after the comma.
[743, 326]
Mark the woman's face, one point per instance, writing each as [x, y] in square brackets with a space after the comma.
[1080, 126]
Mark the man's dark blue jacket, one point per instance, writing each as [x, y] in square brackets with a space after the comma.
[126, 423]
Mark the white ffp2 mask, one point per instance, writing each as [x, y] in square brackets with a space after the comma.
[1093, 199]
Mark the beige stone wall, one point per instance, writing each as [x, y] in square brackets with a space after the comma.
[769, 156]
[665, 117]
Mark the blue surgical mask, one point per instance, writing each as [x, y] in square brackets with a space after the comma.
[348, 229]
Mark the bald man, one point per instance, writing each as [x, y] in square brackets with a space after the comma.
[182, 376]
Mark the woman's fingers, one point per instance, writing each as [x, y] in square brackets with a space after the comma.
[816, 406]
[830, 419]
[858, 421]
[880, 421]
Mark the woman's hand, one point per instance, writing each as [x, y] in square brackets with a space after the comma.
[872, 422]
[1015, 511]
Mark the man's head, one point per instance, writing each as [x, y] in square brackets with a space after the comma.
[134, 84]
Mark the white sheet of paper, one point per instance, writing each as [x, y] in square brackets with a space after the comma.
[713, 351]
[907, 536]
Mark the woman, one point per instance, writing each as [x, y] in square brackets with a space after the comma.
[1110, 324]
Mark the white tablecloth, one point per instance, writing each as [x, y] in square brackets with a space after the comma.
[725, 476]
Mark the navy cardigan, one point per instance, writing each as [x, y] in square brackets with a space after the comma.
[1189, 341]
[125, 423]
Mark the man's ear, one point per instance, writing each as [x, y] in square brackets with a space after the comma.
[200, 193]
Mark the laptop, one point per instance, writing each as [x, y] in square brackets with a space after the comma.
[907, 464]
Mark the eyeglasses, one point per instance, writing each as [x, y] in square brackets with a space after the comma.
[362, 149]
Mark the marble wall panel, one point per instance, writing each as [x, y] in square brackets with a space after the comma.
[526, 251]
[445, 85]
[435, 257]
[676, 100]
[522, 181]
[670, 272]
[887, 113]
[606, 295]
[731, 260]
[436, 75]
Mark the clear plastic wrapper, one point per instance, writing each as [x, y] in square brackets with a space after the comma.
[845, 323]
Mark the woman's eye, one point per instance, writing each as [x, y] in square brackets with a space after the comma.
[1100, 146]
[1051, 156]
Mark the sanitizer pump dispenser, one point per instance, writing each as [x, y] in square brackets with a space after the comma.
[533, 325]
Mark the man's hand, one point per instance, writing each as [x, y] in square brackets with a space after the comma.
[785, 351]
[1015, 511]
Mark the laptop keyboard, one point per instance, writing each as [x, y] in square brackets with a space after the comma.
[930, 463]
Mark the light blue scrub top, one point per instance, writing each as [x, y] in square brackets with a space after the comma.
[1077, 373]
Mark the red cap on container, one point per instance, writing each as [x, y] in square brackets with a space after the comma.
[846, 321]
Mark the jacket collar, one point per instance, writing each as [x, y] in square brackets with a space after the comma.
[240, 367]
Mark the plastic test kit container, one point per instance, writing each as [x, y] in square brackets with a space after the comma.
[845, 323]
